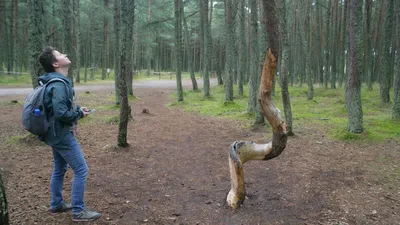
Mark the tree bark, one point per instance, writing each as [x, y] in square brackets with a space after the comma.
[284, 66]
[207, 51]
[178, 47]
[242, 151]
[367, 42]
[306, 49]
[189, 55]
[35, 38]
[327, 44]
[127, 20]
[355, 124]
[15, 37]
[242, 47]
[76, 40]
[254, 56]
[4, 219]
[230, 10]
[384, 77]
[117, 56]
[105, 43]
[396, 105]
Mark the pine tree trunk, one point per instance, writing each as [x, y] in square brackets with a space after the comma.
[306, 49]
[384, 76]
[2, 20]
[15, 37]
[327, 44]
[230, 10]
[283, 35]
[334, 43]
[67, 23]
[254, 57]
[367, 44]
[127, 20]
[105, 44]
[117, 56]
[207, 50]
[343, 59]
[396, 104]
[76, 41]
[355, 123]
[190, 55]
[35, 38]
[178, 47]
[4, 219]
[242, 47]
[320, 50]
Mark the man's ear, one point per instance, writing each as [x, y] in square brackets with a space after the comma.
[56, 65]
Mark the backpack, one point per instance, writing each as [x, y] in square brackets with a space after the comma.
[34, 116]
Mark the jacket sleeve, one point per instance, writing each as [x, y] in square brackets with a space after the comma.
[60, 102]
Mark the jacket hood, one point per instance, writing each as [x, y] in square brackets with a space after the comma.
[46, 77]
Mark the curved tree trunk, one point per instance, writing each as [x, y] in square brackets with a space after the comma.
[3, 205]
[242, 151]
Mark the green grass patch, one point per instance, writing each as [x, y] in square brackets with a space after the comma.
[112, 119]
[326, 112]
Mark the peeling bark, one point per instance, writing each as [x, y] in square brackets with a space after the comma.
[242, 151]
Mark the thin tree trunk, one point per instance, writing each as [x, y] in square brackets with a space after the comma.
[190, 55]
[76, 40]
[254, 56]
[306, 49]
[396, 104]
[117, 56]
[230, 10]
[343, 45]
[367, 42]
[207, 51]
[334, 43]
[105, 43]
[2, 40]
[242, 47]
[15, 37]
[178, 47]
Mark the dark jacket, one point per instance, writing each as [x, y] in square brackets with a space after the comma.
[59, 102]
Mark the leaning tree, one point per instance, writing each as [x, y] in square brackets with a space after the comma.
[242, 151]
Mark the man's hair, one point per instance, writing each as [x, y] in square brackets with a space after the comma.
[47, 59]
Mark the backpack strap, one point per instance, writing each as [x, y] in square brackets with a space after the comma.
[56, 79]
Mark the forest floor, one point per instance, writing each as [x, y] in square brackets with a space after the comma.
[176, 170]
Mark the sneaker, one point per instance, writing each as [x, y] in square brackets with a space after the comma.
[62, 208]
[85, 215]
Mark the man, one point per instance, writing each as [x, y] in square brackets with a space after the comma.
[58, 101]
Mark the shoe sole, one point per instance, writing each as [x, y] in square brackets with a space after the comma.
[85, 220]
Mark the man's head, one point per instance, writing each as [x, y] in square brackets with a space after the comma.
[51, 60]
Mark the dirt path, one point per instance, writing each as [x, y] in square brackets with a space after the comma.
[169, 84]
[176, 172]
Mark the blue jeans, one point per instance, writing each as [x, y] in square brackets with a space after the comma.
[73, 157]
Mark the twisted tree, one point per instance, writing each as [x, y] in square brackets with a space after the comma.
[242, 151]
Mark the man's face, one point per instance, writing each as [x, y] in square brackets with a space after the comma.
[61, 60]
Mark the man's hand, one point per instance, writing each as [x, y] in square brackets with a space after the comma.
[85, 111]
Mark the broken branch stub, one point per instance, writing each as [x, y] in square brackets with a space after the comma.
[242, 151]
